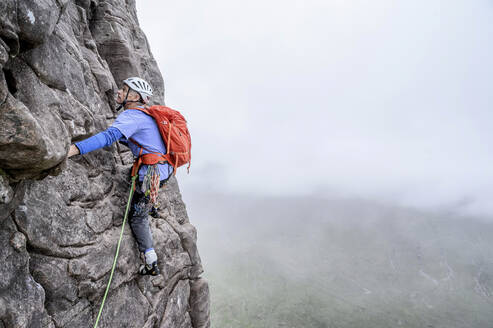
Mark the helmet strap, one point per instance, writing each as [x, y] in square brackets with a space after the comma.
[124, 102]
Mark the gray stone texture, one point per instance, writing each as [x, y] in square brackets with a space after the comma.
[61, 63]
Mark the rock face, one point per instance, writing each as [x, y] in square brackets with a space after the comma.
[60, 219]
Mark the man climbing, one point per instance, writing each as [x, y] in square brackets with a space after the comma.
[139, 131]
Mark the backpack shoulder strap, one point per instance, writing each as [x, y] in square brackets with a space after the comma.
[138, 145]
[144, 110]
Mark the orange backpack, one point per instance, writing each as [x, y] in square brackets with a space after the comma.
[173, 129]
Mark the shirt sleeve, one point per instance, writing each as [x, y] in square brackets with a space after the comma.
[128, 122]
[100, 140]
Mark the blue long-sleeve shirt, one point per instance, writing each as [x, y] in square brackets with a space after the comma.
[100, 140]
[131, 123]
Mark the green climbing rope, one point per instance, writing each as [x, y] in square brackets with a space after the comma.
[117, 249]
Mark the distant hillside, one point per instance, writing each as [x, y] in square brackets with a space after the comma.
[300, 262]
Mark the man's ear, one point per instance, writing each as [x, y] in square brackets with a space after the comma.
[133, 96]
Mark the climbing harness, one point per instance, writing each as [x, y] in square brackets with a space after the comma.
[134, 177]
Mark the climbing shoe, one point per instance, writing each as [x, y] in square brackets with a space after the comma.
[146, 269]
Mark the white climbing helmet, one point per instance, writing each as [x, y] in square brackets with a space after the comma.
[140, 86]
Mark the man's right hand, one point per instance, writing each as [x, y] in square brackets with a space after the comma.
[73, 151]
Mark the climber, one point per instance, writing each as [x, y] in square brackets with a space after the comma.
[140, 133]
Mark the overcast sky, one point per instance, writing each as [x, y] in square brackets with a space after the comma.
[381, 99]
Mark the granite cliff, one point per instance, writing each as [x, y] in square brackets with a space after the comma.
[61, 62]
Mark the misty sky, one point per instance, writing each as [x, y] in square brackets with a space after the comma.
[380, 99]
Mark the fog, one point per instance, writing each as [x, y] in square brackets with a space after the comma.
[383, 99]
[308, 262]
[341, 166]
